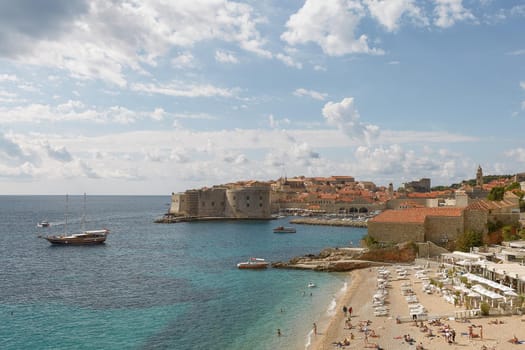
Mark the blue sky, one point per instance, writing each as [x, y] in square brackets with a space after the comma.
[154, 97]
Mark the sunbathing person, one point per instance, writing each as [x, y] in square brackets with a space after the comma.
[514, 340]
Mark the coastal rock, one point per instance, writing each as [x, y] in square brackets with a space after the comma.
[348, 259]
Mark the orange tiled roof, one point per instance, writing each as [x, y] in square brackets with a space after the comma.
[486, 205]
[415, 215]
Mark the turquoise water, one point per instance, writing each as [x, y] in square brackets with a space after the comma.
[154, 286]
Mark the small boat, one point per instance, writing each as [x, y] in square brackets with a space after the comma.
[311, 285]
[283, 229]
[43, 223]
[253, 263]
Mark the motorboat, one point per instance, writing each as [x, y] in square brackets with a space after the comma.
[311, 285]
[253, 263]
[283, 229]
[43, 223]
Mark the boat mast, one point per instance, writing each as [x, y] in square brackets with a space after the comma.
[84, 214]
[65, 225]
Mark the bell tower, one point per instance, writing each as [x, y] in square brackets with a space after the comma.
[479, 177]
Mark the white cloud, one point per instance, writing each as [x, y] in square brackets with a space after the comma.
[390, 12]
[408, 165]
[296, 153]
[276, 123]
[10, 149]
[110, 37]
[225, 57]
[385, 160]
[517, 154]
[289, 61]
[516, 52]
[183, 60]
[518, 10]
[310, 93]
[8, 77]
[345, 117]
[236, 159]
[72, 111]
[201, 116]
[58, 153]
[330, 24]
[158, 114]
[8, 97]
[179, 155]
[181, 89]
[449, 12]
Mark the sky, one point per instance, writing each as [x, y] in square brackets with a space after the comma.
[157, 96]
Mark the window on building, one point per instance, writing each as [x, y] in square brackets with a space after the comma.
[212, 204]
[247, 204]
[247, 198]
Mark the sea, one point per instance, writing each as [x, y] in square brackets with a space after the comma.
[157, 286]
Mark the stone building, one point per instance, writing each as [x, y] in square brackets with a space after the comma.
[439, 225]
[422, 185]
[417, 224]
[229, 202]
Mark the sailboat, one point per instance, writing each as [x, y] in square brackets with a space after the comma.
[82, 238]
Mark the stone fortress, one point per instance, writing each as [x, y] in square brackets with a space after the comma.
[234, 201]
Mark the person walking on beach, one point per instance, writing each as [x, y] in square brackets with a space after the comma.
[345, 310]
[315, 329]
[350, 311]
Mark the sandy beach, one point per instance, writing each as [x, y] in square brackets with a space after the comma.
[388, 333]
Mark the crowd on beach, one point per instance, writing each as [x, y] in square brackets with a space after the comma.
[362, 327]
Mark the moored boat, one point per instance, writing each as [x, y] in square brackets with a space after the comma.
[253, 263]
[283, 229]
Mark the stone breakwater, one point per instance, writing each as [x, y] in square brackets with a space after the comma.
[329, 222]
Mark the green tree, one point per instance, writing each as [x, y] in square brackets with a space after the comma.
[468, 240]
[370, 241]
[509, 233]
[496, 194]
[485, 309]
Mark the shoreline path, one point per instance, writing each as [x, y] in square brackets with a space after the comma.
[368, 330]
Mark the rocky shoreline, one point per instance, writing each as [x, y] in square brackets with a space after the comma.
[348, 259]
